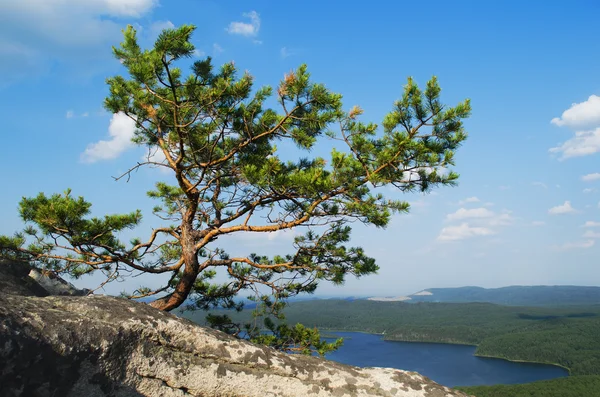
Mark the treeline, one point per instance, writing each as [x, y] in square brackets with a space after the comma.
[573, 386]
[571, 343]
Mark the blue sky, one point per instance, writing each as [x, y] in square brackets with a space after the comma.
[527, 210]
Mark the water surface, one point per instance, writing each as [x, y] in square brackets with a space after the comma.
[449, 365]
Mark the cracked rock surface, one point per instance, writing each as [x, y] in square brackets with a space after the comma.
[105, 346]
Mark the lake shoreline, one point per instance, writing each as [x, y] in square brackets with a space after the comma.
[475, 354]
[524, 361]
[449, 364]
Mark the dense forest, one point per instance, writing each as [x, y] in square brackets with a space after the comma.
[568, 336]
[574, 386]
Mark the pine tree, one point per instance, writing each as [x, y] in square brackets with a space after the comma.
[214, 134]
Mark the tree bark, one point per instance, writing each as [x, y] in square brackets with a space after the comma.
[190, 270]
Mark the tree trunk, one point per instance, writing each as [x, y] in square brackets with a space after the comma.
[190, 271]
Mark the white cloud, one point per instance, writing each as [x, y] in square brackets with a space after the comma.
[538, 223]
[198, 53]
[85, 114]
[504, 187]
[119, 8]
[584, 118]
[504, 219]
[463, 213]
[38, 34]
[463, 231]
[113, 8]
[591, 177]
[246, 29]
[576, 245]
[583, 143]
[413, 174]
[482, 222]
[121, 130]
[469, 200]
[591, 234]
[540, 184]
[156, 155]
[565, 208]
[591, 224]
[589, 190]
[580, 114]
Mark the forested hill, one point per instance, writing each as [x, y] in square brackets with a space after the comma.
[540, 295]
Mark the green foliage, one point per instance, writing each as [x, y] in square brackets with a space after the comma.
[571, 342]
[218, 140]
[295, 339]
[572, 386]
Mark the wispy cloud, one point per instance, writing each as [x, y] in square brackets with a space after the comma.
[120, 130]
[246, 28]
[464, 213]
[591, 177]
[71, 114]
[503, 219]
[469, 200]
[591, 234]
[157, 27]
[576, 245]
[217, 49]
[583, 143]
[463, 231]
[565, 208]
[42, 33]
[285, 52]
[540, 184]
[538, 223]
[476, 222]
[591, 224]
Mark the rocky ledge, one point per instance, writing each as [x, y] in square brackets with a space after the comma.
[105, 346]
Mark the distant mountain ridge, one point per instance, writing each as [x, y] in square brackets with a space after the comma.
[537, 295]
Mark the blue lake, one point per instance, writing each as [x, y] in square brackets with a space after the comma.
[449, 365]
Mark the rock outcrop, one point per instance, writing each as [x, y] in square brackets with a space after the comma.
[105, 346]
